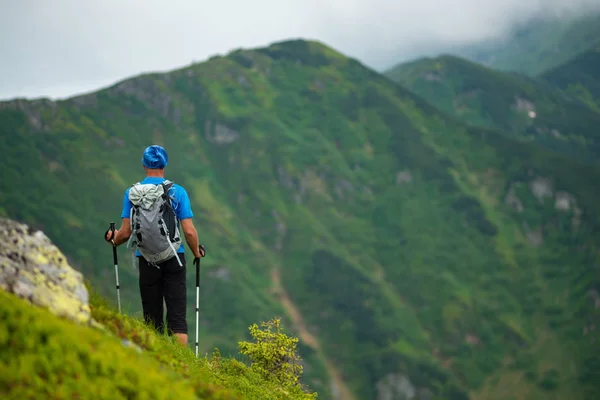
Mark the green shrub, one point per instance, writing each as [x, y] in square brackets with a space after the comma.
[274, 354]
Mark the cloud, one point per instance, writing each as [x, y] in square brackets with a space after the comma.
[64, 47]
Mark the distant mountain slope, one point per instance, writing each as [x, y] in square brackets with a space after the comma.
[580, 76]
[526, 108]
[537, 46]
[417, 256]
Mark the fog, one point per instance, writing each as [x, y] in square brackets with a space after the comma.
[62, 48]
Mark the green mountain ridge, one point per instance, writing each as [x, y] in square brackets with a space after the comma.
[538, 45]
[527, 108]
[580, 76]
[419, 252]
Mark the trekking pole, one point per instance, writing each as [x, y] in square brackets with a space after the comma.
[112, 228]
[197, 263]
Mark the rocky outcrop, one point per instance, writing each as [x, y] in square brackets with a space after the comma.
[541, 188]
[522, 104]
[280, 228]
[395, 387]
[403, 177]
[32, 268]
[513, 201]
[535, 236]
[39, 112]
[155, 93]
[219, 133]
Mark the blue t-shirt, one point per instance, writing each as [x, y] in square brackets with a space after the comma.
[179, 199]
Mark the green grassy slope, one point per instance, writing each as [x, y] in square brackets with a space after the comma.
[503, 100]
[408, 245]
[539, 45]
[43, 356]
[580, 76]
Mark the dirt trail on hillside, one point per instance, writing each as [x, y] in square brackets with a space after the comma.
[340, 391]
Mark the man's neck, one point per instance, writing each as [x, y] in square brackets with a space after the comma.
[155, 173]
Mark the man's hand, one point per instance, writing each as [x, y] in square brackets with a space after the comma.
[116, 237]
[111, 235]
[202, 252]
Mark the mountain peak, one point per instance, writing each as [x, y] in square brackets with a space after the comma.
[300, 51]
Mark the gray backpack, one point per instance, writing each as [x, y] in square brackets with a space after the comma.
[153, 223]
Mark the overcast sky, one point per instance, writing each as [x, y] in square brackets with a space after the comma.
[60, 48]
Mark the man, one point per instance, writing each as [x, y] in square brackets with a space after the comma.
[168, 278]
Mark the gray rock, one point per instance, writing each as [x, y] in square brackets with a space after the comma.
[84, 101]
[221, 272]
[431, 76]
[342, 187]
[403, 177]
[154, 92]
[513, 201]
[535, 236]
[541, 188]
[40, 112]
[564, 201]
[221, 134]
[32, 268]
[395, 387]
[522, 104]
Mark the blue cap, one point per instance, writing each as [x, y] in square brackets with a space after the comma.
[155, 157]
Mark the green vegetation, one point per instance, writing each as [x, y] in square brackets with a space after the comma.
[43, 355]
[413, 250]
[506, 101]
[274, 354]
[580, 77]
[539, 45]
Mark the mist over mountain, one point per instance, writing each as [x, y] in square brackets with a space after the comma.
[52, 61]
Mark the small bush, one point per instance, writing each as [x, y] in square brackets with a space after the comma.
[274, 354]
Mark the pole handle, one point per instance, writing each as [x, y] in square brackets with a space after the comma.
[110, 229]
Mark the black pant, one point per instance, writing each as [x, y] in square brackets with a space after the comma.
[168, 281]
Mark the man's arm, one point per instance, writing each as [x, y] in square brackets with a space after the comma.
[122, 235]
[191, 236]
[185, 214]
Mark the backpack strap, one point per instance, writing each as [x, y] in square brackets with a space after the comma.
[167, 185]
[132, 210]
